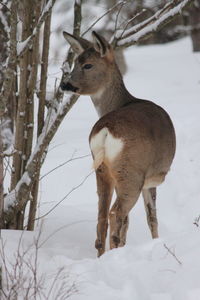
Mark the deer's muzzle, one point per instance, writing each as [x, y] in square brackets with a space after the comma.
[68, 87]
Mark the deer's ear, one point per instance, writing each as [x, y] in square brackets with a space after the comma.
[78, 44]
[102, 46]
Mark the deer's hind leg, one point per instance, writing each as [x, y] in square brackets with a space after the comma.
[123, 231]
[149, 196]
[127, 195]
[105, 187]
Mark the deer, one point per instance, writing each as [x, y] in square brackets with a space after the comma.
[132, 144]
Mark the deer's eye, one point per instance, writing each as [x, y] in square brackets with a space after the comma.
[87, 66]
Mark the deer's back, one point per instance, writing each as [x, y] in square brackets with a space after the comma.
[146, 132]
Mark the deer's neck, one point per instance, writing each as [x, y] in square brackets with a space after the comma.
[112, 96]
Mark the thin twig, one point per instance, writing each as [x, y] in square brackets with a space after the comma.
[173, 254]
[8, 154]
[196, 221]
[3, 4]
[7, 167]
[102, 16]
[117, 15]
[130, 20]
[148, 27]
[22, 276]
[150, 20]
[71, 191]
[61, 165]
[11, 61]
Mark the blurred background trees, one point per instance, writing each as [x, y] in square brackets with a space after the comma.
[185, 24]
[194, 24]
[31, 110]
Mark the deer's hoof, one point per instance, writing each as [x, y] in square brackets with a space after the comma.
[99, 247]
[115, 241]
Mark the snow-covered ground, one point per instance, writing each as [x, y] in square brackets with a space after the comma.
[163, 269]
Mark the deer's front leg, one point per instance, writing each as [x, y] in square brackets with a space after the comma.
[105, 187]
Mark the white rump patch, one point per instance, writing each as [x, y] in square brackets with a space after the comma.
[113, 147]
[105, 145]
[97, 143]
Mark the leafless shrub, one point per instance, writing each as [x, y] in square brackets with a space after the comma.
[21, 276]
[197, 221]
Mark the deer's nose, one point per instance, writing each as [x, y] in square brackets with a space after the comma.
[62, 85]
[68, 87]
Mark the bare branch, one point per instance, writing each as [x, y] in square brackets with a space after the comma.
[77, 17]
[197, 221]
[43, 73]
[1, 182]
[103, 15]
[130, 20]
[146, 22]
[146, 28]
[6, 6]
[10, 71]
[23, 46]
[67, 195]
[17, 198]
[173, 254]
[117, 15]
[63, 164]
[41, 110]
[22, 277]
[70, 54]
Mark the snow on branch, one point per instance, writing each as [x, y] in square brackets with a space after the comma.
[53, 120]
[4, 21]
[17, 199]
[125, 33]
[126, 38]
[23, 46]
[11, 61]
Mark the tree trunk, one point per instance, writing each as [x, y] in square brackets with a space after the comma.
[41, 110]
[30, 12]
[1, 181]
[194, 19]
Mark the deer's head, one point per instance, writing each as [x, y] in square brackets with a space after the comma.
[92, 66]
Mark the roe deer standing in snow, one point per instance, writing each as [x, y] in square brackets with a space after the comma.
[132, 144]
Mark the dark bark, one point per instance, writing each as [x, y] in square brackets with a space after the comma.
[3, 41]
[41, 110]
[10, 68]
[194, 20]
[30, 13]
[1, 181]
